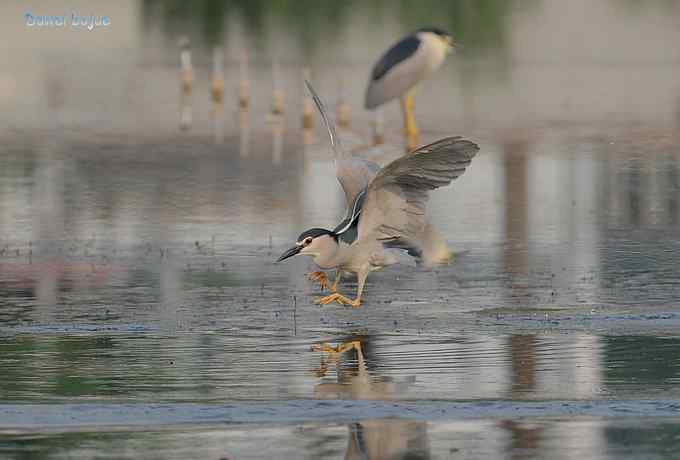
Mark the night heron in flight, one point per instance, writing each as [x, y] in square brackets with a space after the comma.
[402, 67]
[386, 209]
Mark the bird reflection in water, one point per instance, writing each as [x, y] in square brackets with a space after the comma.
[244, 132]
[277, 124]
[524, 436]
[523, 348]
[355, 363]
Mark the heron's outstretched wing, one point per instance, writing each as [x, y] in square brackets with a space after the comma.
[353, 173]
[394, 207]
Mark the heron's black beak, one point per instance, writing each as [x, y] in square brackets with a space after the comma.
[290, 253]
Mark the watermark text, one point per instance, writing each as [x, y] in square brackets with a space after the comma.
[73, 19]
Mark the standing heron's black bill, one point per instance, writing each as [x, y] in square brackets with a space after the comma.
[295, 250]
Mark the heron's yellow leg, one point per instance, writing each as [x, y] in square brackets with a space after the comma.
[334, 286]
[320, 277]
[339, 298]
[410, 128]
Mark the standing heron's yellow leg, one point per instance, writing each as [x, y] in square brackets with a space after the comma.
[320, 277]
[410, 128]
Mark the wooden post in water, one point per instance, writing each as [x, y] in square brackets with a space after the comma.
[244, 133]
[307, 103]
[244, 84]
[379, 127]
[277, 139]
[277, 92]
[217, 93]
[243, 103]
[186, 84]
[307, 110]
[342, 108]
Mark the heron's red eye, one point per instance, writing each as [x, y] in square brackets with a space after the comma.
[308, 241]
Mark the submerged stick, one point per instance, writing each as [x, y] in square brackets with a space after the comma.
[186, 84]
[217, 93]
[277, 92]
[307, 104]
[244, 83]
[294, 315]
[379, 127]
[342, 108]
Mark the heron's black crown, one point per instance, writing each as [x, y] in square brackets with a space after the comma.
[435, 30]
[315, 232]
[401, 51]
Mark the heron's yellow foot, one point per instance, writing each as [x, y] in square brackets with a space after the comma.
[339, 298]
[320, 277]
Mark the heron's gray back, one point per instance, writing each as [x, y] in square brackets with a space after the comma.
[354, 175]
[399, 52]
[346, 230]
[400, 69]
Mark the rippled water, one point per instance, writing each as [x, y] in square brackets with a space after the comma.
[155, 324]
[141, 314]
[378, 439]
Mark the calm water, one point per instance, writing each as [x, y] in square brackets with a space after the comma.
[141, 315]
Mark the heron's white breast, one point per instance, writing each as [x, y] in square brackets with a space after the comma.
[401, 78]
[433, 51]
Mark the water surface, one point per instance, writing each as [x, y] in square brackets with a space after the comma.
[141, 314]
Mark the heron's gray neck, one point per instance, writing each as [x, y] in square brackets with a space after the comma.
[333, 255]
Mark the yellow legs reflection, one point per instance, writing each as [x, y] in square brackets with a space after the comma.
[333, 354]
[336, 351]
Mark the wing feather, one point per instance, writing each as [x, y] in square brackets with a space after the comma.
[396, 200]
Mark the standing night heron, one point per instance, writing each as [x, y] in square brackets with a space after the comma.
[402, 67]
[386, 209]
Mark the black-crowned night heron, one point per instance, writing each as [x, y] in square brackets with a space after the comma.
[402, 67]
[386, 209]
